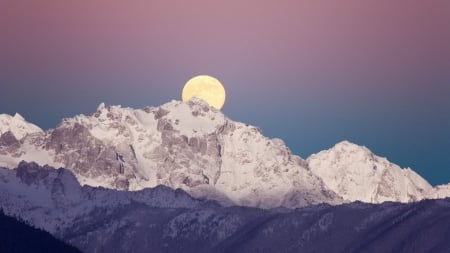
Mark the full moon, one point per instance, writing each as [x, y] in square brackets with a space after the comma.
[206, 88]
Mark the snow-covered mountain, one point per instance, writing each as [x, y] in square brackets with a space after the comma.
[442, 191]
[17, 126]
[190, 146]
[195, 147]
[356, 174]
[53, 199]
[164, 220]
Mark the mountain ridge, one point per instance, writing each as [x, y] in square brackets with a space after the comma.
[358, 174]
[195, 147]
[165, 220]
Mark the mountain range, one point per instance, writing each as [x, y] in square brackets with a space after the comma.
[190, 178]
[195, 147]
[160, 219]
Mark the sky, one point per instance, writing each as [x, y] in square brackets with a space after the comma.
[311, 72]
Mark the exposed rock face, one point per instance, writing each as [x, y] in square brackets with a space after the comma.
[89, 157]
[9, 143]
[8, 139]
[31, 172]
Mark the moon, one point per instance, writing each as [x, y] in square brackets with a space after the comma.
[206, 88]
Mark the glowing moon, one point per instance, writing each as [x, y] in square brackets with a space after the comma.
[206, 88]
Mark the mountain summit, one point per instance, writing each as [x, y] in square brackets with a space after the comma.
[191, 146]
[195, 147]
[355, 173]
[16, 126]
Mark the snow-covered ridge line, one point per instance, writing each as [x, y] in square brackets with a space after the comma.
[17, 126]
[195, 147]
[355, 173]
[32, 190]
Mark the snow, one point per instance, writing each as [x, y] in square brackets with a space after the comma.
[195, 147]
[442, 191]
[39, 155]
[182, 118]
[8, 161]
[17, 125]
[356, 174]
[40, 202]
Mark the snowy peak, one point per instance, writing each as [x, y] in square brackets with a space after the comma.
[190, 145]
[130, 143]
[101, 106]
[193, 118]
[18, 117]
[195, 147]
[355, 173]
[17, 126]
[349, 147]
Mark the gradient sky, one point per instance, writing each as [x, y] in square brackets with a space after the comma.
[311, 72]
